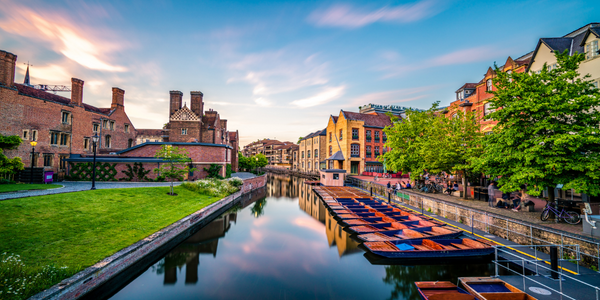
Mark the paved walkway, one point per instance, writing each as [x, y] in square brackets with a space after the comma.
[531, 217]
[243, 175]
[76, 186]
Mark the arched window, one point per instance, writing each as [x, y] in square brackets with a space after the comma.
[316, 153]
[107, 141]
[330, 151]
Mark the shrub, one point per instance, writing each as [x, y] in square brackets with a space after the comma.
[228, 171]
[236, 182]
[213, 171]
[212, 187]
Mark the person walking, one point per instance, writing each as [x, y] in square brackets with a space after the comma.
[491, 192]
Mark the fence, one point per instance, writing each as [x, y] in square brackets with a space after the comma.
[517, 231]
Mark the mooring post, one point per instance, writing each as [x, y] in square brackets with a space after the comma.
[471, 222]
[554, 262]
[371, 191]
[389, 197]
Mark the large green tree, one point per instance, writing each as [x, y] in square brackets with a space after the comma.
[260, 160]
[176, 163]
[548, 130]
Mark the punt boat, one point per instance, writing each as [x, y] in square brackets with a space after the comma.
[441, 290]
[426, 248]
[487, 288]
[363, 228]
[436, 232]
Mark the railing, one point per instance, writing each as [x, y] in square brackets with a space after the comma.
[510, 256]
[453, 211]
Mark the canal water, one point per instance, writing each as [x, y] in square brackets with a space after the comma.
[284, 245]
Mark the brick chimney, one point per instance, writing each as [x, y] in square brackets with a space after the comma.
[76, 92]
[197, 104]
[7, 68]
[175, 102]
[118, 99]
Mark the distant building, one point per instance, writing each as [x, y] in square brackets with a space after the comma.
[150, 135]
[312, 151]
[282, 156]
[376, 108]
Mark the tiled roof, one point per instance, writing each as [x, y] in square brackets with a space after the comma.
[32, 92]
[524, 61]
[337, 156]
[335, 118]
[467, 86]
[376, 119]
[209, 120]
[557, 44]
[152, 132]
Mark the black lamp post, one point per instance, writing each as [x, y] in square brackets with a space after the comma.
[94, 143]
[32, 160]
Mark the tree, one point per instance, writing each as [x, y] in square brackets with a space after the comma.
[299, 140]
[213, 171]
[260, 160]
[547, 132]
[9, 166]
[245, 163]
[176, 163]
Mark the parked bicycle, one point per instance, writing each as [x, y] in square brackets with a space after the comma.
[570, 217]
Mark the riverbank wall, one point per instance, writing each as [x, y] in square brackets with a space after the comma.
[514, 230]
[311, 175]
[85, 281]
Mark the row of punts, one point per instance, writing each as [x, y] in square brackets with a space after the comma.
[482, 288]
[397, 233]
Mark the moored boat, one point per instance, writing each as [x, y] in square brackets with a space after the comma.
[441, 290]
[426, 248]
[375, 227]
[435, 232]
[487, 288]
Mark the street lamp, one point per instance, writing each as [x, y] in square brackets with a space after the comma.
[95, 139]
[32, 159]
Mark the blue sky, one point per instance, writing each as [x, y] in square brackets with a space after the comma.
[276, 69]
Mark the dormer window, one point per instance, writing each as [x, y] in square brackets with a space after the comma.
[591, 50]
[489, 85]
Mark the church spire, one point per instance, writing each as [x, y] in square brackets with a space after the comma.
[26, 81]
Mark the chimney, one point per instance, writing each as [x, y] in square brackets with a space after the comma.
[76, 92]
[197, 104]
[175, 102]
[7, 68]
[118, 99]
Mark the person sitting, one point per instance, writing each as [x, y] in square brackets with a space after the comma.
[408, 186]
[398, 186]
[501, 204]
[448, 189]
[516, 202]
[455, 186]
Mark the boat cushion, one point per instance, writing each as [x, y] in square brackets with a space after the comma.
[405, 247]
[489, 288]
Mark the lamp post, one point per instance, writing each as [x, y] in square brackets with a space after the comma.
[94, 143]
[32, 160]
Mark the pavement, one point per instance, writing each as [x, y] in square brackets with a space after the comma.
[243, 175]
[76, 186]
[531, 217]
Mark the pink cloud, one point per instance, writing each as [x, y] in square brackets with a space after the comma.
[348, 17]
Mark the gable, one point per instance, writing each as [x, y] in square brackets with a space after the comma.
[542, 55]
[184, 114]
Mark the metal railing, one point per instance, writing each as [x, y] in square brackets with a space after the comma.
[500, 228]
[509, 251]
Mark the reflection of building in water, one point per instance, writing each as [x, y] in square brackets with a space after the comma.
[252, 197]
[280, 186]
[338, 237]
[310, 203]
[188, 253]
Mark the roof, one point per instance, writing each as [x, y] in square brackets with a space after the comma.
[467, 86]
[35, 93]
[172, 144]
[152, 132]
[316, 133]
[233, 135]
[557, 44]
[370, 120]
[337, 156]
[335, 118]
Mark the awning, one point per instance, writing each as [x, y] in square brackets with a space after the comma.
[374, 163]
[337, 156]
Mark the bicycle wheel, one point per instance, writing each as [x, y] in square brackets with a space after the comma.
[545, 214]
[572, 217]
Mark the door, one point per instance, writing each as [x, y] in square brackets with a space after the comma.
[354, 167]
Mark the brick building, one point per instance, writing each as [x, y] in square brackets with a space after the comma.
[61, 126]
[282, 156]
[150, 135]
[312, 151]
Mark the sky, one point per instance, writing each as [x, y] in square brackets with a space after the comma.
[275, 69]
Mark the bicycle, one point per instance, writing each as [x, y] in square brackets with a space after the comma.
[570, 217]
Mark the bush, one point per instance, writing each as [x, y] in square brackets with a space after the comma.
[212, 187]
[213, 171]
[237, 182]
[6, 181]
[21, 281]
[228, 171]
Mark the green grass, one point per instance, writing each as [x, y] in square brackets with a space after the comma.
[77, 230]
[4, 188]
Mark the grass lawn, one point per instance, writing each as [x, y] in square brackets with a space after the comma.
[23, 187]
[78, 229]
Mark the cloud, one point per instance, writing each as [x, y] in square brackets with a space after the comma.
[346, 16]
[391, 97]
[68, 37]
[328, 94]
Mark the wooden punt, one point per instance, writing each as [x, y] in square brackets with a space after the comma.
[441, 290]
[426, 248]
[374, 220]
[376, 227]
[487, 288]
[416, 233]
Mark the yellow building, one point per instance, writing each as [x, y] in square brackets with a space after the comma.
[356, 140]
[312, 152]
[583, 40]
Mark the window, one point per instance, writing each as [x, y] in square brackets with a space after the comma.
[596, 83]
[183, 131]
[368, 135]
[376, 151]
[62, 163]
[330, 151]
[36, 156]
[96, 127]
[302, 165]
[355, 133]
[48, 160]
[340, 134]
[335, 177]
[126, 127]
[488, 84]
[376, 136]
[112, 125]
[384, 137]
[130, 143]
[316, 153]
[34, 135]
[66, 117]
[54, 138]
[591, 50]
[25, 135]
[107, 141]
[487, 108]
[509, 73]
[330, 137]
[316, 165]
[302, 154]
[105, 124]
[368, 151]
[308, 154]
[488, 132]
[355, 150]
[64, 139]
[86, 143]
[308, 165]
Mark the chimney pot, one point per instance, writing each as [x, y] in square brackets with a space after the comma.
[118, 98]
[7, 68]
[76, 92]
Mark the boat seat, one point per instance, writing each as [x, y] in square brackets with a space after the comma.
[421, 247]
[450, 296]
[505, 296]
[460, 246]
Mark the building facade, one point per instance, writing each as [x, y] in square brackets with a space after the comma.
[283, 156]
[312, 151]
[61, 126]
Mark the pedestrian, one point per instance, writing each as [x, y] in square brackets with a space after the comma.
[389, 186]
[398, 186]
[408, 186]
[491, 192]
